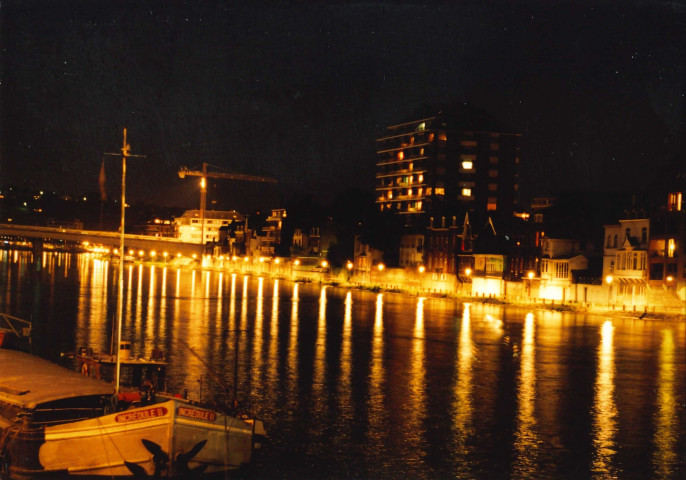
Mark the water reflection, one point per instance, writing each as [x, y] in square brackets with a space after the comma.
[526, 438]
[605, 409]
[320, 345]
[376, 409]
[344, 390]
[666, 416]
[359, 385]
[462, 403]
[293, 346]
[415, 409]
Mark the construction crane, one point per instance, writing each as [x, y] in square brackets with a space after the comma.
[204, 174]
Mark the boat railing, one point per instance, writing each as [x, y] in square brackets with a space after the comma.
[21, 328]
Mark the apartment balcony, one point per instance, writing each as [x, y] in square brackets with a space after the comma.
[630, 274]
[396, 161]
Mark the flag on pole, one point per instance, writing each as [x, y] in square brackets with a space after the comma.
[102, 181]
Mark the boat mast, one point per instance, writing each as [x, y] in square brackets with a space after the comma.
[126, 148]
[120, 295]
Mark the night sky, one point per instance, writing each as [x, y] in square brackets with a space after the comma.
[301, 91]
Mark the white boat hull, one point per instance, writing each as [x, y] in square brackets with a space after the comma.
[172, 437]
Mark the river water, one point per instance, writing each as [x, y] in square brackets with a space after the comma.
[353, 384]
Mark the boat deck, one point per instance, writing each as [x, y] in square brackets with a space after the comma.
[27, 381]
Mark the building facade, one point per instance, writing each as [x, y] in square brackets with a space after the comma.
[435, 166]
[190, 228]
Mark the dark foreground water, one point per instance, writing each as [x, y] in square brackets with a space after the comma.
[353, 384]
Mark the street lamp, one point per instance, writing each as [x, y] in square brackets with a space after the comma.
[349, 266]
[608, 280]
[531, 277]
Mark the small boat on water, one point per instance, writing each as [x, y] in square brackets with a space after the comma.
[134, 371]
[56, 422]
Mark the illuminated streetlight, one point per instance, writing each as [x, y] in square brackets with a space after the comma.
[325, 263]
[608, 280]
[422, 269]
[530, 275]
[381, 267]
[468, 271]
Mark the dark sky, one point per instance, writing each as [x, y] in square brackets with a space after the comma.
[301, 91]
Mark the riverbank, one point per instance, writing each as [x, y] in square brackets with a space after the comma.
[288, 271]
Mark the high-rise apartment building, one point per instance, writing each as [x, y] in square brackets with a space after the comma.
[441, 166]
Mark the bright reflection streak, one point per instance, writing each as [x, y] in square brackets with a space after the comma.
[163, 291]
[416, 398]
[320, 347]
[604, 409]
[139, 302]
[293, 347]
[151, 317]
[232, 303]
[243, 326]
[345, 392]
[377, 411]
[526, 437]
[128, 309]
[162, 332]
[665, 458]
[193, 283]
[177, 291]
[273, 359]
[259, 333]
[464, 386]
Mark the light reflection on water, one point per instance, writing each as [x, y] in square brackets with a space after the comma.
[526, 437]
[605, 410]
[355, 384]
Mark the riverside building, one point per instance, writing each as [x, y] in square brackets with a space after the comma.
[447, 165]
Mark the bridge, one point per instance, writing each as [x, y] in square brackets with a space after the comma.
[38, 236]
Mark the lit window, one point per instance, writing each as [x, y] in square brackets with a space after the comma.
[431, 137]
[409, 192]
[671, 247]
[419, 205]
[420, 191]
[421, 178]
[492, 204]
[467, 165]
[466, 192]
[439, 191]
[401, 155]
[442, 137]
[390, 194]
[421, 126]
[674, 202]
